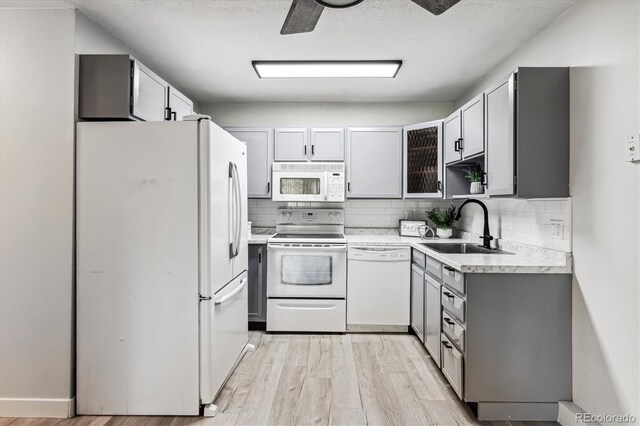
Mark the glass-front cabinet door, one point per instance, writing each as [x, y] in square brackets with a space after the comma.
[423, 160]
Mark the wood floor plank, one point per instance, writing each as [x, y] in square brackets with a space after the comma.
[347, 417]
[368, 370]
[423, 381]
[313, 405]
[283, 410]
[319, 362]
[345, 392]
[298, 353]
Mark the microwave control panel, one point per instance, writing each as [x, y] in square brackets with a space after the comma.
[335, 184]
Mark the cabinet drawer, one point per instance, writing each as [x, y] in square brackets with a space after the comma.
[453, 278]
[434, 268]
[452, 303]
[453, 330]
[453, 366]
[419, 258]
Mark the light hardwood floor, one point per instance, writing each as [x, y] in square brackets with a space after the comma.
[351, 379]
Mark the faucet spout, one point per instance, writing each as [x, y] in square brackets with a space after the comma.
[486, 236]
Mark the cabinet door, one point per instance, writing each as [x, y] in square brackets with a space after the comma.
[291, 145]
[423, 160]
[452, 135]
[500, 138]
[256, 284]
[417, 301]
[179, 105]
[472, 117]
[149, 94]
[374, 162]
[259, 159]
[327, 144]
[432, 317]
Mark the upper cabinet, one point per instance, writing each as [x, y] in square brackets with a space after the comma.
[374, 162]
[291, 144]
[259, 158]
[327, 144]
[527, 134]
[315, 144]
[118, 87]
[464, 131]
[423, 160]
[178, 105]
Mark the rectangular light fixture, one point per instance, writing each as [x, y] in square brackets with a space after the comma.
[327, 69]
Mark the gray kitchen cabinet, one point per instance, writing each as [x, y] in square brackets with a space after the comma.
[527, 134]
[452, 134]
[417, 301]
[178, 105]
[506, 342]
[432, 317]
[422, 147]
[472, 120]
[149, 94]
[327, 144]
[257, 284]
[291, 144]
[259, 158]
[374, 162]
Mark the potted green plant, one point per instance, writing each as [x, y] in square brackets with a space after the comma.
[443, 220]
[474, 176]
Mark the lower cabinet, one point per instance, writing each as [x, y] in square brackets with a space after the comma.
[257, 283]
[432, 310]
[417, 301]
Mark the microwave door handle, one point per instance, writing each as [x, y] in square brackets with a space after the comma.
[326, 186]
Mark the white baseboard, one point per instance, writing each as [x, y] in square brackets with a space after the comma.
[38, 407]
[567, 412]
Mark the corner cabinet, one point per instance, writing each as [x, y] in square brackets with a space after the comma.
[259, 158]
[374, 162]
[422, 149]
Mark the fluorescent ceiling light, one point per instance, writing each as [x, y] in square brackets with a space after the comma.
[327, 69]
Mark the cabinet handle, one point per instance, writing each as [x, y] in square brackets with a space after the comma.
[439, 186]
[268, 187]
[446, 345]
[448, 268]
[484, 179]
[174, 116]
[167, 114]
[260, 259]
[456, 145]
[305, 150]
[448, 295]
[448, 321]
[461, 144]
[312, 150]
[349, 186]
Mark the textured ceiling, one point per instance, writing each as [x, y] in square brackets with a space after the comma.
[205, 47]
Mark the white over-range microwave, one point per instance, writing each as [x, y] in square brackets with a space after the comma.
[314, 182]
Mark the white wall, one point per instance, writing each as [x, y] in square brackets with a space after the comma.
[325, 114]
[599, 40]
[36, 211]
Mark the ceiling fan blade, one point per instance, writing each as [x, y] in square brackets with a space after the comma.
[436, 7]
[302, 17]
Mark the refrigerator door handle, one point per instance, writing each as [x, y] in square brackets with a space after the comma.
[232, 212]
[230, 296]
[238, 209]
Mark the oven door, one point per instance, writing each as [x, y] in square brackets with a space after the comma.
[307, 270]
[300, 186]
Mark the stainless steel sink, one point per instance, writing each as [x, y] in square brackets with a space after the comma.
[462, 248]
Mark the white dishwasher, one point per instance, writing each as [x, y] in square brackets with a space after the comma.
[378, 288]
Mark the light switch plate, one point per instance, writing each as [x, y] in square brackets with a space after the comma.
[632, 148]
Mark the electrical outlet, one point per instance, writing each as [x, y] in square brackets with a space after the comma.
[555, 229]
[632, 148]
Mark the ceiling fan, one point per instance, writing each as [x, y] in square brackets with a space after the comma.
[304, 14]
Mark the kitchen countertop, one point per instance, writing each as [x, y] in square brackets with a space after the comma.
[544, 262]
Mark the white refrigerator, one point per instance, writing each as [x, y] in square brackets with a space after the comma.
[161, 265]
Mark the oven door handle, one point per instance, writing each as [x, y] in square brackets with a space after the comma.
[275, 246]
[308, 307]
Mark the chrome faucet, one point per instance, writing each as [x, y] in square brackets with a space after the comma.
[486, 237]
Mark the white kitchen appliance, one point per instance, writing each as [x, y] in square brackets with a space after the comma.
[379, 288]
[312, 182]
[161, 265]
[307, 271]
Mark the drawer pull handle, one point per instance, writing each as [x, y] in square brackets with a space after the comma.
[449, 268]
[449, 295]
[447, 345]
[448, 321]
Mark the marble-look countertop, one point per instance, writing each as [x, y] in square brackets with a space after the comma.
[526, 260]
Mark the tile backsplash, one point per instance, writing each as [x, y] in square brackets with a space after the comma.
[542, 223]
